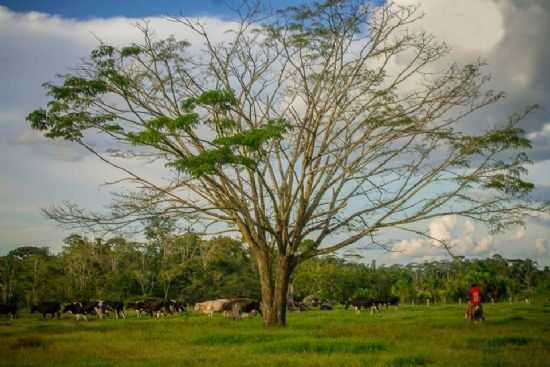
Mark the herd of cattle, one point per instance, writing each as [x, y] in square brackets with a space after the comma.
[235, 308]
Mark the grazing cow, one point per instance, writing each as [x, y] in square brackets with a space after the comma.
[172, 306]
[297, 306]
[8, 309]
[77, 309]
[115, 307]
[392, 300]
[360, 303]
[253, 306]
[210, 307]
[235, 312]
[85, 308]
[236, 306]
[138, 306]
[311, 301]
[245, 304]
[178, 307]
[45, 308]
[154, 306]
[93, 307]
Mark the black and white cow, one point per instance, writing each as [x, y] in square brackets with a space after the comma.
[311, 301]
[297, 306]
[245, 304]
[174, 306]
[137, 305]
[390, 300]
[77, 309]
[8, 309]
[237, 306]
[93, 307]
[116, 307]
[361, 303]
[154, 307]
[85, 308]
[47, 308]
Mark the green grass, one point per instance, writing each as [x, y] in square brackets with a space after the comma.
[513, 335]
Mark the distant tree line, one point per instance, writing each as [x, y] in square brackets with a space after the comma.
[189, 268]
[182, 267]
[445, 281]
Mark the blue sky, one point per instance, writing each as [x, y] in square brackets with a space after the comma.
[83, 9]
[39, 39]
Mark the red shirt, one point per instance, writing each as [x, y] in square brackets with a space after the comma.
[475, 295]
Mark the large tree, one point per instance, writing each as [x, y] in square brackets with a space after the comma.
[306, 132]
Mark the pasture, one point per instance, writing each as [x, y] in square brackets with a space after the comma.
[513, 335]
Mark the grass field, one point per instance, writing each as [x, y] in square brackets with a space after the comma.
[513, 335]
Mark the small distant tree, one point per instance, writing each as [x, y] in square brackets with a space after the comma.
[160, 232]
[306, 132]
[9, 268]
[32, 265]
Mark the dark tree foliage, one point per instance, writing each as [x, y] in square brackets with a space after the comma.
[183, 267]
[118, 269]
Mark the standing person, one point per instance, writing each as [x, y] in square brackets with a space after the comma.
[474, 311]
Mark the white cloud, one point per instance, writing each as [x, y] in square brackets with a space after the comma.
[541, 247]
[461, 236]
[520, 233]
[36, 172]
[441, 228]
[413, 248]
[542, 134]
[468, 26]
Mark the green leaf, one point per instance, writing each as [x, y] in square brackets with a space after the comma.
[76, 88]
[223, 99]
[255, 138]
[186, 121]
[188, 104]
[114, 128]
[208, 162]
[146, 137]
[133, 50]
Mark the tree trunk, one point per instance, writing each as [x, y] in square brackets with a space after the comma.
[274, 281]
[34, 281]
[167, 289]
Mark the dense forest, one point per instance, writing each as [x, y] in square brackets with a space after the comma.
[189, 268]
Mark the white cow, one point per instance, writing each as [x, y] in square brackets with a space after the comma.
[210, 307]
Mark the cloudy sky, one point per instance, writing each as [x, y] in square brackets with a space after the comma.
[39, 39]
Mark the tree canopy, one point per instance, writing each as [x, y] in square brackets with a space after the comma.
[305, 132]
